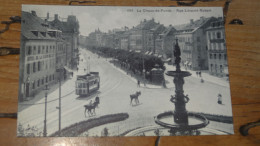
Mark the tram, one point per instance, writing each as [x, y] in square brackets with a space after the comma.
[86, 84]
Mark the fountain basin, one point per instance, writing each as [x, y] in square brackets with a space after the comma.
[178, 73]
[196, 121]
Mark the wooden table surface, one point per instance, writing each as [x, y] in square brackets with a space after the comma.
[243, 45]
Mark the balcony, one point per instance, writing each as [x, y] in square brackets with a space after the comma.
[217, 41]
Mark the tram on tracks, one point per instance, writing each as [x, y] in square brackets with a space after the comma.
[86, 84]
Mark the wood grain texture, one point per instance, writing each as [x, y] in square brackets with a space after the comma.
[243, 43]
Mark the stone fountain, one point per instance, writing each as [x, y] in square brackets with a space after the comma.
[183, 122]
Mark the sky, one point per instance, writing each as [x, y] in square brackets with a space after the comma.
[110, 17]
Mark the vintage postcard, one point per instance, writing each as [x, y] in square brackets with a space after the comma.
[123, 71]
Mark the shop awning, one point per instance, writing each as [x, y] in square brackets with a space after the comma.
[66, 68]
[169, 59]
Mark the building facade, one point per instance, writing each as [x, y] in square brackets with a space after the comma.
[164, 42]
[70, 32]
[192, 41]
[217, 52]
[38, 56]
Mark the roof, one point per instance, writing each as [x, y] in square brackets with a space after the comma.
[65, 26]
[32, 23]
[146, 24]
[168, 30]
[192, 26]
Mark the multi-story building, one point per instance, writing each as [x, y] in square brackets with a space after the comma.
[70, 32]
[38, 55]
[164, 42]
[192, 41]
[217, 52]
[141, 37]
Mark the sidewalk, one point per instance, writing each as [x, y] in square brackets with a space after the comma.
[134, 77]
[204, 75]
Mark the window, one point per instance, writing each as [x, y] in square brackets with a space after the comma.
[38, 83]
[219, 56]
[39, 66]
[215, 56]
[34, 67]
[209, 35]
[53, 76]
[49, 77]
[43, 49]
[210, 56]
[225, 56]
[46, 79]
[47, 49]
[29, 50]
[218, 35]
[220, 68]
[34, 49]
[42, 81]
[28, 68]
[39, 49]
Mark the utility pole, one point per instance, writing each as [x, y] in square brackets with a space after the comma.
[144, 72]
[59, 107]
[45, 112]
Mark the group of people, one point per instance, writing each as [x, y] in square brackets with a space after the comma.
[198, 73]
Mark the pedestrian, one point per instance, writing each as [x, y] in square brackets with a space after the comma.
[219, 98]
[197, 73]
[138, 83]
[164, 84]
[90, 103]
[200, 73]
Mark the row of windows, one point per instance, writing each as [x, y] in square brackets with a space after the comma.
[42, 81]
[219, 56]
[39, 66]
[216, 68]
[215, 35]
[185, 39]
[84, 85]
[217, 46]
[33, 50]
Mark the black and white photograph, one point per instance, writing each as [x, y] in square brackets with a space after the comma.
[97, 71]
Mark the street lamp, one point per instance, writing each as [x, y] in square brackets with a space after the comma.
[45, 111]
[60, 70]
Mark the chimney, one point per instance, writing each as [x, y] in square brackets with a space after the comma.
[191, 21]
[48, 16]
[56, 17]
[34, 13]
